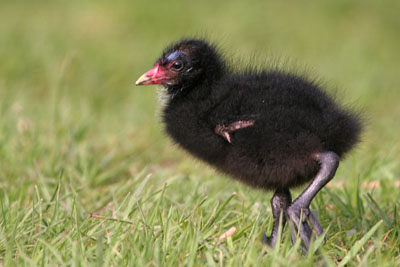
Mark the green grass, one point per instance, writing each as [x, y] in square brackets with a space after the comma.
[88, 177]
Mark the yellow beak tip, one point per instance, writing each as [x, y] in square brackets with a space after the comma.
[142, 79]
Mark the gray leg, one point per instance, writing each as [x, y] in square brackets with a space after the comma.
[299, 211]
[279, 203]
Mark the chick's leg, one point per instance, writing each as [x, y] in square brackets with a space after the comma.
[299, 211]
[279, 203]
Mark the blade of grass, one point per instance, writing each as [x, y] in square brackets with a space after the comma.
[357, 246]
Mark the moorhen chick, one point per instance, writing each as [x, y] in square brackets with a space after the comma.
[267, 128]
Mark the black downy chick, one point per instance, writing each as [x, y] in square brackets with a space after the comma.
[269, 129]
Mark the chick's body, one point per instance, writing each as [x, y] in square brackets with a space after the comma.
[292, 117]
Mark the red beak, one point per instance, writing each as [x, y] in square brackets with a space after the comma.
[153, 76]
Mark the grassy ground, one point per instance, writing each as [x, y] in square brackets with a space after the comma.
[87, 177]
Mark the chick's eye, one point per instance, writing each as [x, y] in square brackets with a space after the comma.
[177, 65]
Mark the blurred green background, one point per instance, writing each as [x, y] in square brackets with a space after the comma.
[69, 107]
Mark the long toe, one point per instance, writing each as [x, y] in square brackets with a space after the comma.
[293, 232]
[314, 221]
[298, 217]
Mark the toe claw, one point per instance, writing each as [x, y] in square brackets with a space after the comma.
[267, 240]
